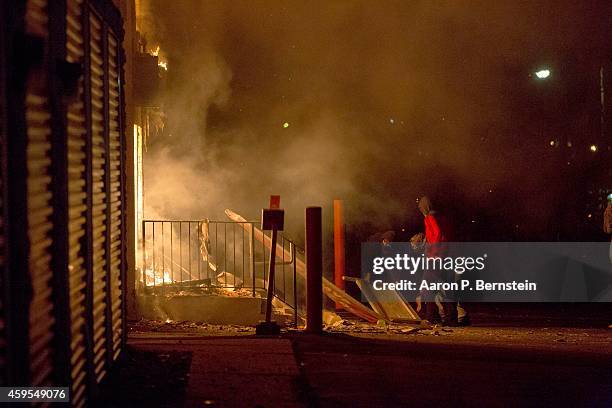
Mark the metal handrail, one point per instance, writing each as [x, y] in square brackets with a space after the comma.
[221, 244]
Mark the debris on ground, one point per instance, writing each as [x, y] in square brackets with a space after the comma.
[172, 326]
[382, 326]
[331, 318]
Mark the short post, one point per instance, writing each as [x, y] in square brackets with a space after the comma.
[252, 255]
[272, 219]
[339, 246]
[314, 271]
[271, 272]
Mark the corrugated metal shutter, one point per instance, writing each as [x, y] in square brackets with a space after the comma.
[40, 210]
[3, 249]
[115, 195]
[3, 334]
[77, 196]
[99, 204]
[69, 184]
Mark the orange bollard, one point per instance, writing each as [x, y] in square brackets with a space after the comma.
[339, 247]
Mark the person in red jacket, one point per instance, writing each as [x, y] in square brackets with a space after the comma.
[437, 233]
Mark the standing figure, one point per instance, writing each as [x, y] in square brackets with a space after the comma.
[607, 226]
[439, 303]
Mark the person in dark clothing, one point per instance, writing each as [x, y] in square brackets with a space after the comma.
[607, 226]
[437, 233]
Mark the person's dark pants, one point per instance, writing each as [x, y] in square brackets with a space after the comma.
[431, 312]
[450, 313]
[429, 297]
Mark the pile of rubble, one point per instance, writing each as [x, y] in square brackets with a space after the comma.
[210, 290]
[350, 326]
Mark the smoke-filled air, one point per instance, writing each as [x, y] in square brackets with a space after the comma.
[375, 103]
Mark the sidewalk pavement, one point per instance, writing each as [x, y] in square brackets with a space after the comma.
[465, 367]
[243, 372]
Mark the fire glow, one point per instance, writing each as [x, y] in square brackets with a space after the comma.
[152, 278]
[161, 62]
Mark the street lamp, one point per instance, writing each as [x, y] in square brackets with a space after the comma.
[542, 74]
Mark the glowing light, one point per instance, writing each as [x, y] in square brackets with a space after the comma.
[543, 73]
[161, 62]
[286, 125]
[552, 142]
[138, 187]
[155, 278]
[593, 148]
[391, 121]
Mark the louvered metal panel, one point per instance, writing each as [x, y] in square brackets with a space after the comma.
[71, 199]
[3, 232]
[77, 202]
[3, 334]
[115, 197]
[39, 196]
[99, 207]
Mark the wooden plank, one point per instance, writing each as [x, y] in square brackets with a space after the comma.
[329, 289]
[387, 303]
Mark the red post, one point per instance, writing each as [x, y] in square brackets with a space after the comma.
[314, 271]
[339, 246]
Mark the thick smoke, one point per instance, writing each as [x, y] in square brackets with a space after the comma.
[383, 101]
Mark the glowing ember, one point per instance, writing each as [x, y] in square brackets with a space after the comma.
[162, 63]
[155, 278]
[593, 148]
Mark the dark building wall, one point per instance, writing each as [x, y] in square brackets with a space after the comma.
[128, 12]
[64, 199]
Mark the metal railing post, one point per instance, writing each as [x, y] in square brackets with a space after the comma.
[283, 264]
[295, 299]
[163, 260]
[154, 263]
[199, 250]
[252, 255]
[144, 256]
